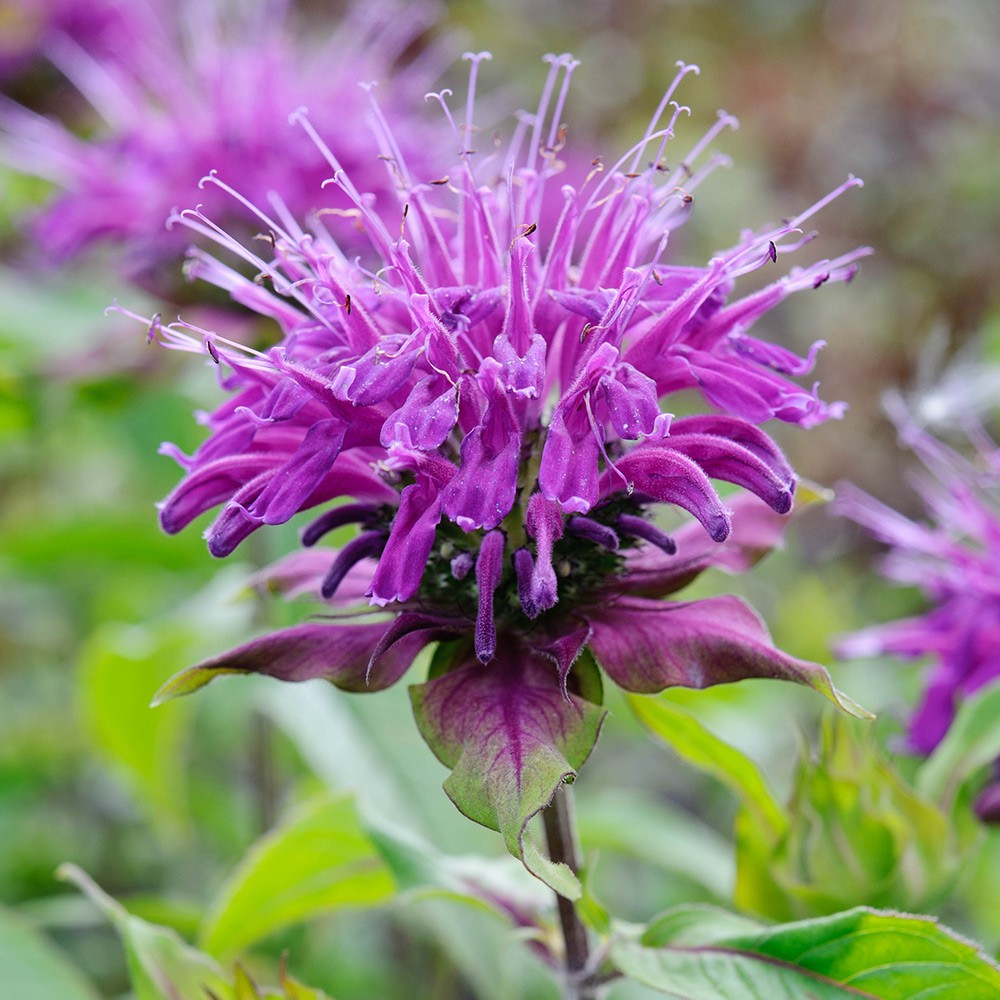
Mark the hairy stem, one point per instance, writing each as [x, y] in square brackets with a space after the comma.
[560, 836]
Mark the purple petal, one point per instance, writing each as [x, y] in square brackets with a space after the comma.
[564, 650]
[522, 376]
[592, 531]
[483, 491]
[742, 432]
[489, 569]
[669, 477]
[302, 573]
[291, 484]
[337, 517]
[756, 531]
[367, 545]
[646, 646]
[569, 469]
[543, 522]
[409, 623]
[724, 459]
[210, 485]
[462, 564]
[377, 375]
[524, 568]
[410, 542]
[424, 420]
[639, 527]
[631, 400]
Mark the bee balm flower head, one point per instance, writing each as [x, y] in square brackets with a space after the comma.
[483, 394]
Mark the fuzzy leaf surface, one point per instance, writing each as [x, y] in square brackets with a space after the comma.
[862, 953]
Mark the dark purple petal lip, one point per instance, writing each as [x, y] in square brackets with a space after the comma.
[593, 531]
[337, 517]
[489, 568]
[368, 544]
[639, 527]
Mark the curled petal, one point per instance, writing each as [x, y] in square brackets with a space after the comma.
[756, 531]
[669, 477]
[593, 531]
[213, 483]
[724, 459]
[337, 517]
[292, 483]
[367, 545]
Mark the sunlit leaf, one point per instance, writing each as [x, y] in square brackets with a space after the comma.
[317, 861]
[860, 953]
[667, 838]
[698, 745]
[120, 669]
[857, 833]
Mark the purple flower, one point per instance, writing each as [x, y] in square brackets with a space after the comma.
[202, 90]
[953, 557]
[486, 392]
[35, 28]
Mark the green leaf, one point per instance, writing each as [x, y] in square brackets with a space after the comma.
[371, 746]
[858, 833]
[496, 885]
[317, 861]
[700, 746]
[120, 670]
[161, 965]
[33, 969]
[973, 740]
[860, 953]
[696, 924]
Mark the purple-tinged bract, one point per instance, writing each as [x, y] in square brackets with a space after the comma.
[485, 387]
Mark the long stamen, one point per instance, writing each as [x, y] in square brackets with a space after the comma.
[683, 70]
[475, 58]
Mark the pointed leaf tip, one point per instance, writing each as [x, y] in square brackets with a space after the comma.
[187, 681]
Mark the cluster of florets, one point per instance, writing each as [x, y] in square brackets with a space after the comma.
[479, 389]
[953, 558]
[196, 88]
[487, 391]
